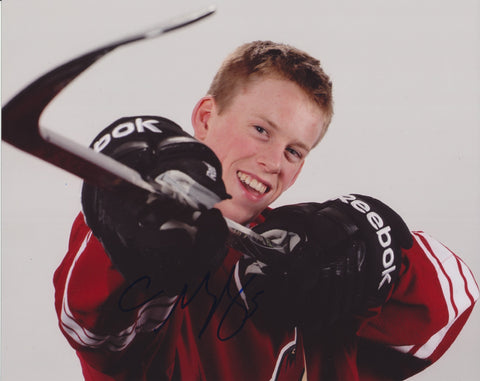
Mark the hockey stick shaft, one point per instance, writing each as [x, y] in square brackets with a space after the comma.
[21, 128]
[241, 238]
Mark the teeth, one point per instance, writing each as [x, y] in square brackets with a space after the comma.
[251, 182]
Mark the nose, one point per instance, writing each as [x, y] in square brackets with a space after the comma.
[270, 158]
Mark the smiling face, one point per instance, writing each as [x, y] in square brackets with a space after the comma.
[262, 139]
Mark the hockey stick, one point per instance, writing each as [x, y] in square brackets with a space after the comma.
[21, 128]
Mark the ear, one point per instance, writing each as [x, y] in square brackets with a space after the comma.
[201, 115]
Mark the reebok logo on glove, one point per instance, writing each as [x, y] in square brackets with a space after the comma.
[211, 171]
[383, 235]
[125, 129]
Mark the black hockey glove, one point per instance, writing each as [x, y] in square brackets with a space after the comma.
[343, 259]
[147, 235]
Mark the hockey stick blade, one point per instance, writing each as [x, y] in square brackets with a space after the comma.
[21, 115]
[21, 128]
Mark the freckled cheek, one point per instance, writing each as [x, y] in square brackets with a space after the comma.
[290, 176]
[219, 149]
[238, 149]
[227, 158]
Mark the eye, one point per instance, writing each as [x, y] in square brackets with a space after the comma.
[260, 130]
[294, 153]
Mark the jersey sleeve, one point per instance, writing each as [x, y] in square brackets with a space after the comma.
[103, 317]
[430, 305]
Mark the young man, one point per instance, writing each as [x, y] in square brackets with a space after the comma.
[149, 290]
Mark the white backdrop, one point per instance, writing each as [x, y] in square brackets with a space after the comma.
[407, 90]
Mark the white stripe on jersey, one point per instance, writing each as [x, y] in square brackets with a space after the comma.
[150, 317]
[281, 356]
[239, 285]
[452, 274]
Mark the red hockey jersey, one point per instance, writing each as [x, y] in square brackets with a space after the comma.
[125, 331]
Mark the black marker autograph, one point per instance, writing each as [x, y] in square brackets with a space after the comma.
[183, 301]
